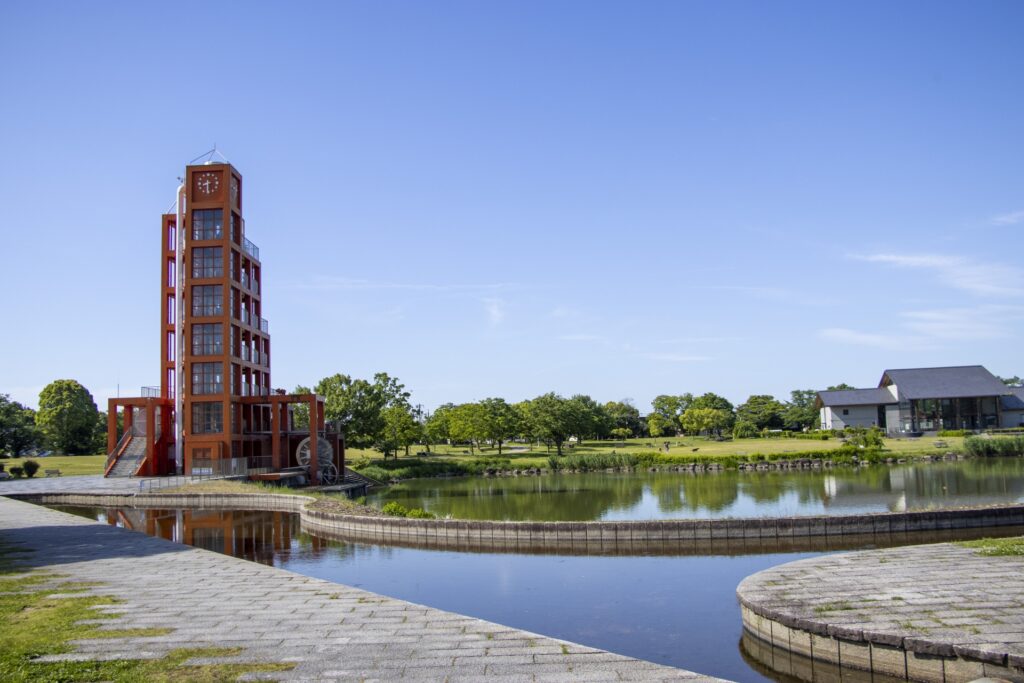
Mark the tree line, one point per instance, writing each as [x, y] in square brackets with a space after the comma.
[67, 421]
[378, 414]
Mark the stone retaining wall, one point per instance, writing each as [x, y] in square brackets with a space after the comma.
[938, 613]
[666, 537]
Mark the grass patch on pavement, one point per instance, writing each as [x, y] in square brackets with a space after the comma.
[37, 622]
[997, 547]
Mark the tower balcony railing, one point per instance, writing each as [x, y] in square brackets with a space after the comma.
[150, 392]
[246, 316]
[246, 353]
[251, 249]
[264, 325]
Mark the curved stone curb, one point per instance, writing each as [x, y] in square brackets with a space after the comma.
[662, 537]
[328, 631]
[927, 613]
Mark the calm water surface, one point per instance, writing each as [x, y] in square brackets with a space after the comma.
[679, 611]
[675, 610]
[666, 495]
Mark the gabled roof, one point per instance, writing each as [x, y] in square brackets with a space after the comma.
[966, 381]
[856, 397]
[1014, 400]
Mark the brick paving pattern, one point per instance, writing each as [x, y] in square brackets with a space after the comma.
[943, 607]
[330, 631]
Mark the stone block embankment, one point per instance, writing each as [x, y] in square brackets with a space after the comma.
[667, 537]
[938, 613]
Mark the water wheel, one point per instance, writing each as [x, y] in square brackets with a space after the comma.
[324, 457]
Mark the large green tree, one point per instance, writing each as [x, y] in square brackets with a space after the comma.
[358, 405]
[762, 411]
[624, 415]
[668, 409]
[67, 417]
[501, 421]
[18, 431]
[590, 421]
[466, 424]
[551, 419]
[709, 420]
[401, 429]
[800, 413]
[437, 429]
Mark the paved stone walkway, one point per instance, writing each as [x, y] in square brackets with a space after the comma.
[922, 607]
[330, 631]
[86, 483]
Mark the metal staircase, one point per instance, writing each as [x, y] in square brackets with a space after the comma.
[131, 457]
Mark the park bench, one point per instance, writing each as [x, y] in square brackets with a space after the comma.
[52, 473]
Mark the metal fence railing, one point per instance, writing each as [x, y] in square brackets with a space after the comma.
[202, 470]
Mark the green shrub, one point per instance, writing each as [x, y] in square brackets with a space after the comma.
[592, 461]
[394, 509]
[954, 432]
[17, 472]
[31, 467]
[998, 446]
[420, 513]
[745, 430]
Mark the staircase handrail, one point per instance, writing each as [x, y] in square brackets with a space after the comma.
[113, 455]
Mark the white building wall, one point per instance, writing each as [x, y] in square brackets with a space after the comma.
[855, 416]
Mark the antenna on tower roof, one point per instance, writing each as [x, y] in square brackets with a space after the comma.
[208, 157]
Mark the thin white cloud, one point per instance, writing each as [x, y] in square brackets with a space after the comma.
[935, 328]
[844, 335]
[1012, 218]
[495, 310]
[975, 277]
[676, 357]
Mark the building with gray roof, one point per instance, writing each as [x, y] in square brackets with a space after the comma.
[916, 400]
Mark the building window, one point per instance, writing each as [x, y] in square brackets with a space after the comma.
[207, 262]
[207, 418]
[846, 411]
[207, 378]
[207, 339]
[207, 224]
[207, 300]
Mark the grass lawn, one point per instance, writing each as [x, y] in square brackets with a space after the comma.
[524, 455]
[37, 622]
[69, 465]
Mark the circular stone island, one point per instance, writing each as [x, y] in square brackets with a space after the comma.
[945, 612]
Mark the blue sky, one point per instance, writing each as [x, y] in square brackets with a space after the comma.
[503, 199]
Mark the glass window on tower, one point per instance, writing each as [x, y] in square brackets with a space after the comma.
[207, 418]
[207, 339]
[207, 378]
[207, 224]
[207, 300]
[207, 262]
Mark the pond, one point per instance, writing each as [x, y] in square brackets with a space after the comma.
[729, 493]
[674, 610]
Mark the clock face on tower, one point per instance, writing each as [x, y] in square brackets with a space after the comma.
[207, 183]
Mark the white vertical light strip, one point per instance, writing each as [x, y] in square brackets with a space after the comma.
[179, 340]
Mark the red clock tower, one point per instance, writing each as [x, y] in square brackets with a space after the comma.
[215, 411]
